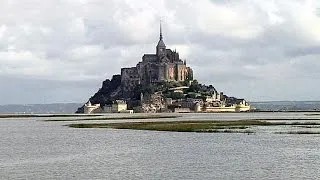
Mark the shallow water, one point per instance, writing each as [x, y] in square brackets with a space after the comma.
[33, 149]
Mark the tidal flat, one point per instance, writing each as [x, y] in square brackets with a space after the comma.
[46, 115]
[207, 126]
[52, 150]
[105, 117]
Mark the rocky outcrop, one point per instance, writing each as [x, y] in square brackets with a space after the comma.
[152, 98]
[114, 89]
[110, 90]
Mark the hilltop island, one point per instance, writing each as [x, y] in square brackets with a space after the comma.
[161, 82]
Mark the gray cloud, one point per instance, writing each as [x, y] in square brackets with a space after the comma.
[254, 49]
[315, 50]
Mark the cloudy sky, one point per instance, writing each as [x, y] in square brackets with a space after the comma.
[61, 50]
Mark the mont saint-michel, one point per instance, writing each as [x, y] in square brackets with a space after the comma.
[161, 82]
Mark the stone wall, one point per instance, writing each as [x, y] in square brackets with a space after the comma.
[129, 77]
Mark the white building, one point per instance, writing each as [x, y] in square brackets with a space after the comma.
[91, 108]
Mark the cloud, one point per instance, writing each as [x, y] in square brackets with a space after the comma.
[304, 51]
[254, 49]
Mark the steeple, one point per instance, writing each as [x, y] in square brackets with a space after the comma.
[161, 47]
[161, 43]
[161, 31]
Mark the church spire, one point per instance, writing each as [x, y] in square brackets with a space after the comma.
[161, 30]
[161, 43]
[161, 47]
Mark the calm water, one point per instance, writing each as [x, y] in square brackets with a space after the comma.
[33, 149]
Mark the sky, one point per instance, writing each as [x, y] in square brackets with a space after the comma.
[60, 51]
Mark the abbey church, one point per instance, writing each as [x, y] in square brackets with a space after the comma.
[163, 66]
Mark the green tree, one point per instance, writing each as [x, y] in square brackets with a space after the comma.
[195, 86]
[177, 95]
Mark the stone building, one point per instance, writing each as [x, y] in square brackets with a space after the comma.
[91, 108]
[163, 66]
[116, 107]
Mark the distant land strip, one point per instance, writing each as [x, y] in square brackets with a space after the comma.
[47, 115]
[284, 111]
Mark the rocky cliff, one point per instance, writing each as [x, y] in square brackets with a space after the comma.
[112, 90]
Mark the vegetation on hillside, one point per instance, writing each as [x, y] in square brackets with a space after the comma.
[112, 90]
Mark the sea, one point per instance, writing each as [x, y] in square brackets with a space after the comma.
[66, 108]
[31, 148]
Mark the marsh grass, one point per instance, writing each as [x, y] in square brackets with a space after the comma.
[306, 126]
[298, 132]
[226, 131]
[234, 126]
[182, 126]
[317, 114]
[305, 123]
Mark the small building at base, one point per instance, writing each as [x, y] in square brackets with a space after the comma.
[240, 106]
[91, 108]
[117, 106]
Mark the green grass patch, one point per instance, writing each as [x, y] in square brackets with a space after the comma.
[213, 126]
[305, 123]
[307, 126]
[240, 126]
[317, 114]
[298, 132]
[228, 130]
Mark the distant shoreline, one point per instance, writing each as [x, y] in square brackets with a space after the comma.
[284, 111]
[70, 108]
[7, 115]
[46, 115]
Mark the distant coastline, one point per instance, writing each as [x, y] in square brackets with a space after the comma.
[69, 108]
